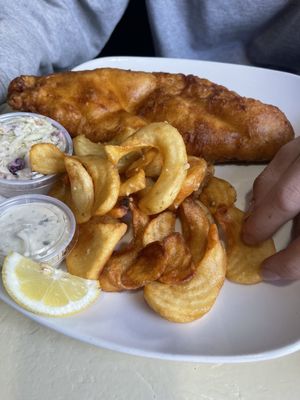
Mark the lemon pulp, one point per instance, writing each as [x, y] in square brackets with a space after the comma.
[46, 290]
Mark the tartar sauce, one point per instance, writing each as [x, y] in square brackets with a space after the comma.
[17, 135]
[33, 229]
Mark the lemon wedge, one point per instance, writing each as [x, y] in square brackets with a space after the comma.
[45, 290]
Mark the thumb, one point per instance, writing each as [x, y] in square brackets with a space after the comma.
[284, 265]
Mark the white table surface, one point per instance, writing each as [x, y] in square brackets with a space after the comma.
[40, 364]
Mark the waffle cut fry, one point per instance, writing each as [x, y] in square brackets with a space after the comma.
[186, 302]
[244, 262]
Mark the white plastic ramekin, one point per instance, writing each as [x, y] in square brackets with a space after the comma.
[42, 183]
[64, 242]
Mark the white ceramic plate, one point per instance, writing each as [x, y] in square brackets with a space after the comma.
[247, 323]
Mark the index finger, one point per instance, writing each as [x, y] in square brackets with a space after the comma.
[281, 204]
[275, 169]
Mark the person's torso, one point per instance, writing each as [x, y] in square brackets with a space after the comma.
[263, 32]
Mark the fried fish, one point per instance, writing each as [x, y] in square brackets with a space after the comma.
[216, 123]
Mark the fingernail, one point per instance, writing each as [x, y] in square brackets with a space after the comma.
[269, 275]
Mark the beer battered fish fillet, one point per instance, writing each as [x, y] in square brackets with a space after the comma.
[215, 122]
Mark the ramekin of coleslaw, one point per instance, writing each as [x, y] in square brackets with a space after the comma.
[18, 132]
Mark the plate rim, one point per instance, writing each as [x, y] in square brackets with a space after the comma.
[188, 60]
[207, 359]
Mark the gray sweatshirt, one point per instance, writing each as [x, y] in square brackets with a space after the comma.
[42, 36]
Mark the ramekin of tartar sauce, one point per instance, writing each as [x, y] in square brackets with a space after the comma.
[18, 132]
[36, 226]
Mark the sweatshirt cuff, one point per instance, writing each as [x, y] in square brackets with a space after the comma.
[4, 82]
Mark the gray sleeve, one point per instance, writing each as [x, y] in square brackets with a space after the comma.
[277, 44]
[42, 36]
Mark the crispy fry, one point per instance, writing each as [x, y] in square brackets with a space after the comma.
[171, 146]
[120, 261]
[61, 189]
[123, 156]
[194, 178]
[159, 227]
[142, 162]
[188, 301]
[95, 245]
[180, 267]
[149, 184]
[148, 266]
[153, 169]
[120, 209]
[103, 219]
[106, 183]
[110, 277]
[116, 153]
[244, 262]
[139, 222]
[126, 161]
[133, 184]
[82, 189]
[85, 147]
[210, 170]
[128, 131]
[195, 227]
[47, 159]
[217, 193]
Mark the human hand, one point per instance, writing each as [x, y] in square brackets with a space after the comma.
[276, 200]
